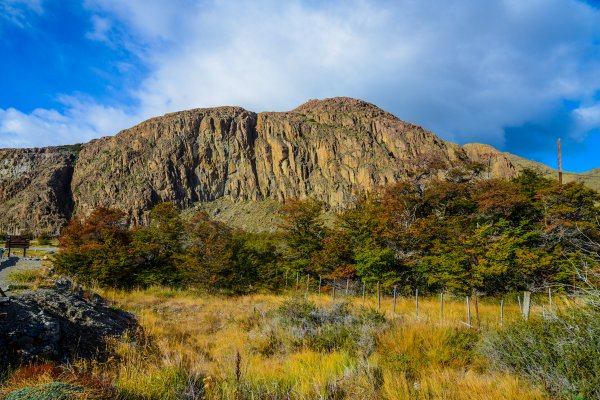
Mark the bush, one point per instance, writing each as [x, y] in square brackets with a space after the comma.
[44, 239]
[561, 353]
[47, 391]
[303, 324]
[25, 276]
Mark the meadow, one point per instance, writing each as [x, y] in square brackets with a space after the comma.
[280, 346]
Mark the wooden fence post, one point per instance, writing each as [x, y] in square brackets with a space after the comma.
[550, 299]
[307, 285]
[320, 282]
[395, 292]
[378, 296]
[347, 285]
[502, 312]
[441, 307]
[468, 311]
[417, 303]
[477, 312]
[333, 290]
[520, 305]
[364, 292]
[526, 305]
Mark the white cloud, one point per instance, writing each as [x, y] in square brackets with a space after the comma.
[18, 11]
[101, 29]
[80, 123]
[586, 118]
[465, 69]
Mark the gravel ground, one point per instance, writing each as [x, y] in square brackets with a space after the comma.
[7, 265]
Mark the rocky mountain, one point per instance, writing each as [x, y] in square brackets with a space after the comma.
[333, 150]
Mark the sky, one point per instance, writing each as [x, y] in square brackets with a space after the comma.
[515, 74]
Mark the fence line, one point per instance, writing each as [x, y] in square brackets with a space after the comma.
[356, 289]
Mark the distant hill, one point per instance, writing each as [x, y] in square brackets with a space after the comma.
[590, 178]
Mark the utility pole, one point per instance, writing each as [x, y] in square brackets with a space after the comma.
[559, 165]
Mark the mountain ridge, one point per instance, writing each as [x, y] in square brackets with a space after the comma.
[332, 149]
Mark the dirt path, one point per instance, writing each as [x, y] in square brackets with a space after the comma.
[8, 265]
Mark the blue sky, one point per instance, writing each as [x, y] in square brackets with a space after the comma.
[516, 74]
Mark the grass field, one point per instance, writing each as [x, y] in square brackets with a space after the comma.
[251, 347]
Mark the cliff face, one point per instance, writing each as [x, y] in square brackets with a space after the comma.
[35, 194]
[186, 157]
[331, 149]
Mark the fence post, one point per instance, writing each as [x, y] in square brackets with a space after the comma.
[297, 280]
[364, 292]
[378, 296]
[333, 290]
[417, 303]
[520, 305]
[502, 312]
[477, 312]
[320, 282]
[469, 311]
[347, 285]
[526, 305]
[307, 285]
[550, 299]
[395, 292]
[441, 307]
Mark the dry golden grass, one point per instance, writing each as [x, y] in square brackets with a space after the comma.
[198, 343]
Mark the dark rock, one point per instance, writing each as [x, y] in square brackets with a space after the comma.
[58, 324]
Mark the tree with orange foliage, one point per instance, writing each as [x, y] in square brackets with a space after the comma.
[97, 248]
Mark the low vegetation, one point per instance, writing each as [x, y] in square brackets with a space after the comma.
[267, 346]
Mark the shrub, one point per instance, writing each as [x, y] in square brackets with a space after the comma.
[44, 239]
[561, 353]
[47, 391]
[303, 324]
[25, 276]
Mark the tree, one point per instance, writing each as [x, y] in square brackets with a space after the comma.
[336, 257]
[303, 231]
[158, 247]
[375, 263]
[256, 263]
[208, 260]
[96, 249]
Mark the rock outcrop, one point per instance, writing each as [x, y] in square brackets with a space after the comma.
[333, 150]
[57, 324]
[35, 189]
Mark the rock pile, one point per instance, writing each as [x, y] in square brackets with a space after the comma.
[59, 324]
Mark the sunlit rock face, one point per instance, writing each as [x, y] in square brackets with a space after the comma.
[35, 193]
[333, 150]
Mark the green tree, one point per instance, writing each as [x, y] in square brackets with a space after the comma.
[374, 263]
[303, 232]
[208, 260]
[158, 247]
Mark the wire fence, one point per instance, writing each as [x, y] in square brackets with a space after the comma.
[442, 307]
